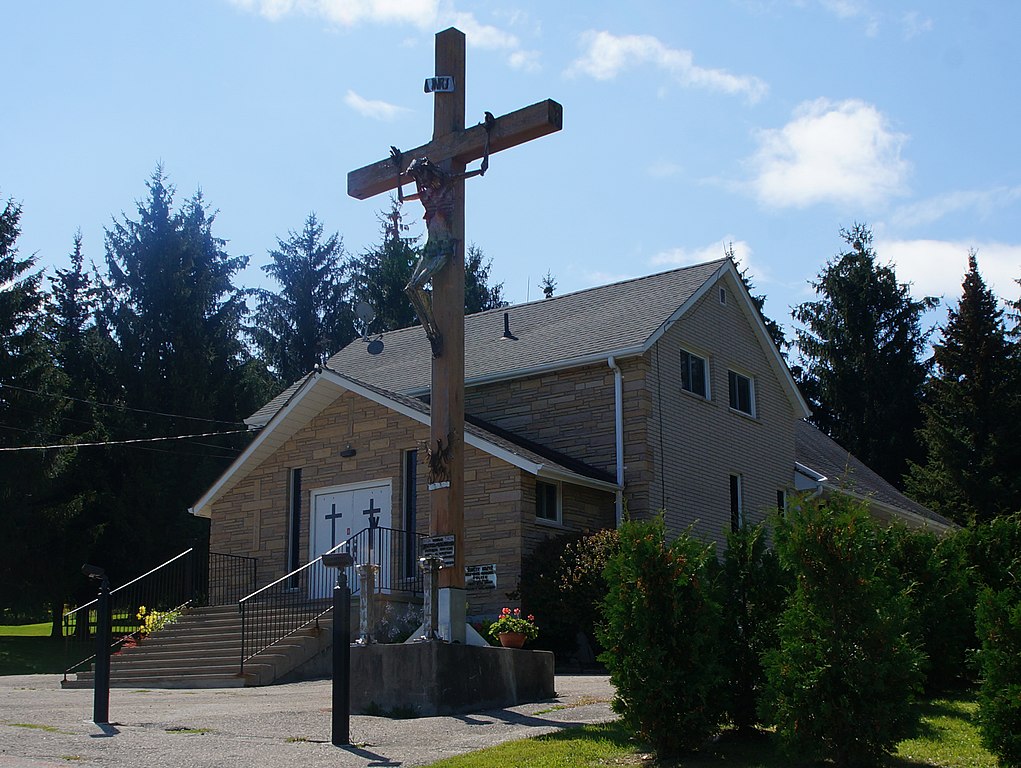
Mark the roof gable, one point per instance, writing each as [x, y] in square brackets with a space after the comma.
[319, 389]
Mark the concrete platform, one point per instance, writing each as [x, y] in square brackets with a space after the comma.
[436, 678]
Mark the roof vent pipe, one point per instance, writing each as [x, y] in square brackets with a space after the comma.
[506, 328]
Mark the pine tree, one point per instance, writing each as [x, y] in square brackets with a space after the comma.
[859, 354]
[26, 420]
[971, 414]
[380, 274]
[309, 318]
[479, 295]
[171, 306]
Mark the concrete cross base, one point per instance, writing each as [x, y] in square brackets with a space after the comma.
[444, 679]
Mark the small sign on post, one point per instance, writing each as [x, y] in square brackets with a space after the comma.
[441, 547]
[439, 84]
[480, 577]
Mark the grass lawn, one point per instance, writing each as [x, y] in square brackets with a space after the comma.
[948, 738]
[28, 649]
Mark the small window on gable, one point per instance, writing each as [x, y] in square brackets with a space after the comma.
[547, 501]
[742, 393]
[694, 374]
[723, 296]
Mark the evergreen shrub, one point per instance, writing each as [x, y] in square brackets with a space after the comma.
[661, 631]
[842, 682]
[999, 702]
[935, 571]
[754, 591]
[562, 585]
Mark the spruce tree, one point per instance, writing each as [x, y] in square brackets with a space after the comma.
[860, 351]
[970, 436]
[309, 317]
[171, 305]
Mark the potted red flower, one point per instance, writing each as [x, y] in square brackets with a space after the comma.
[512, 630]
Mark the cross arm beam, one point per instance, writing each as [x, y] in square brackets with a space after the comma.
[508, 131]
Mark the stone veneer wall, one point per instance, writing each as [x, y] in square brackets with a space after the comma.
[500, 524]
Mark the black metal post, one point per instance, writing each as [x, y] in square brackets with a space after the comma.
[341, 661]
[101, 692]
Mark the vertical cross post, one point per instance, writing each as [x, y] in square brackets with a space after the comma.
[451, 148]
[447, 401]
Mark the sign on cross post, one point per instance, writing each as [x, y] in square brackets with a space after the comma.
[438, 170]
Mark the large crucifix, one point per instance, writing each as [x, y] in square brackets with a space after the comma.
[438, 170]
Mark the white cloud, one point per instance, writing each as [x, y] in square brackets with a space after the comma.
[606, 55]
[526, 61]
[937, 267]
[348, 13]
[981, 201]
[682, 257]
[483, 35]
[914, 24]
[830, 152]
[377, 110]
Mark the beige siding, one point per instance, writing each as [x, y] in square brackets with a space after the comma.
[698, 444]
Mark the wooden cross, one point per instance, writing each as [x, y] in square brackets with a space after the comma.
[451, 148]
[372, 512]
[333, 517]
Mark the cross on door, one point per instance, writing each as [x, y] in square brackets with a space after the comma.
[372, 512]
[333, 516]
[451, 148]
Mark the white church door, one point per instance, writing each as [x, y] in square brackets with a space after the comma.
[342, 512]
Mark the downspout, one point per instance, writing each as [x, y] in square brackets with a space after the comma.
[618, 425]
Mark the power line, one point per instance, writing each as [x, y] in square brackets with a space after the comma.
[115, 405]
[124, 442]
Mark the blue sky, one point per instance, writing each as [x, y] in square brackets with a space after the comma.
[769, 124]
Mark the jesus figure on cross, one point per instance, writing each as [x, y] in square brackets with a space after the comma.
[438, 171]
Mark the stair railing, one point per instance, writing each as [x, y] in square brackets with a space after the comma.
[167, 587]
[304, 595]
[194, 577]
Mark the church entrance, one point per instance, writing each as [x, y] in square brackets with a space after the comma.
[341, 512]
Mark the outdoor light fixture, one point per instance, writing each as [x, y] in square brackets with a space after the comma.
[94, 572]
[338, 560]
[348, 452]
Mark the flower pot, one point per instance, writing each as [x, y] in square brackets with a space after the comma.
[512, 639]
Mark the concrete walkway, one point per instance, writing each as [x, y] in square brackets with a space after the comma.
[281, 725]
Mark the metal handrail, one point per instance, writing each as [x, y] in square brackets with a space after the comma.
[301, 597]
[113, 592]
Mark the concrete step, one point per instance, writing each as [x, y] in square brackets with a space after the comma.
[201, 680]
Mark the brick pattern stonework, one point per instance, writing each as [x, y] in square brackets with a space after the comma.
[500, 524]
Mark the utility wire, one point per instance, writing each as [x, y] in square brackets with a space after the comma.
[114, 405]
[123, 442]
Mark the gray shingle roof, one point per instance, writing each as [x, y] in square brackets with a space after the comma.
[596, 321]
[608, 319]
[816, 450]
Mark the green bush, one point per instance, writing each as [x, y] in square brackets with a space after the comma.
[842, 682]
[935, 571]
[661, 630]
[998, 617]
[562, 585]
[993, 550]
[754, 591]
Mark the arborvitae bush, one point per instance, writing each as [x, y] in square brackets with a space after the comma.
[661, 632]
[994, 548]
[935, 571]
[562, 584]
[999, 701]
[841, 684]
[754, 591]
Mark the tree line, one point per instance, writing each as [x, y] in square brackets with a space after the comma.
[159, 341]
[115, 361]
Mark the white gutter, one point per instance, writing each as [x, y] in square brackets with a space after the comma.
[618, 426]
